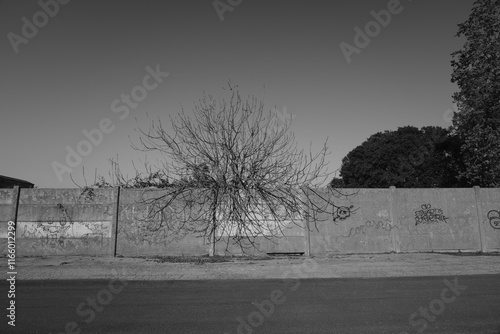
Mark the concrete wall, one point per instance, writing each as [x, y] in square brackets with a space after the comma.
[292, 241]
[8, 204]
[113, 222]
[488, 203]
[292, 236]
[361, 223]
[411, 220]
[437, 219]
[65, 222]
[140, 236]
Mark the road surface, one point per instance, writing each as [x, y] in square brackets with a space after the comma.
[453, 304]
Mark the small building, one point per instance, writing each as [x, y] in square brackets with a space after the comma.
[10, 182]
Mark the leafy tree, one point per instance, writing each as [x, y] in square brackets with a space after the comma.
[476, 71]
[406, 158]
[235, 173]
[337, 182]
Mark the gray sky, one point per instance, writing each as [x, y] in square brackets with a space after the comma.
[70, 74]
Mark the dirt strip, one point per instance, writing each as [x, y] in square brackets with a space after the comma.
[334, 266]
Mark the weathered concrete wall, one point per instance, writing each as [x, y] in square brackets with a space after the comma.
[437, 219]
[292, 241]
[489, 213]
[65, 222]
[138, 235]
[8, 199]
[359, 223]
[292, 235]
[115, 222]
[411, 220]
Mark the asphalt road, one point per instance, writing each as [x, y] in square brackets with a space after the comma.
[463, 304]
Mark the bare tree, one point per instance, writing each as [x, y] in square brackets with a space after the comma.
[236, 173]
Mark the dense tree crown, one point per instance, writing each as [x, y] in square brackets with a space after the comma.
[476, 71]
[469, 152]
[407, 158]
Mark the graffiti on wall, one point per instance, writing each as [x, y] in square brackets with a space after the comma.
[429, 215]
[371, 224]
[342, 212]
[494, 217]
[56, 233]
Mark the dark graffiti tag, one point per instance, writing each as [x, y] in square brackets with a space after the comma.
[494, 217]
[370, 224]
[428, 215]
[342, 212]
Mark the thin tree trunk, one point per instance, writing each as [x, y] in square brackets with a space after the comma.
[211, 250]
